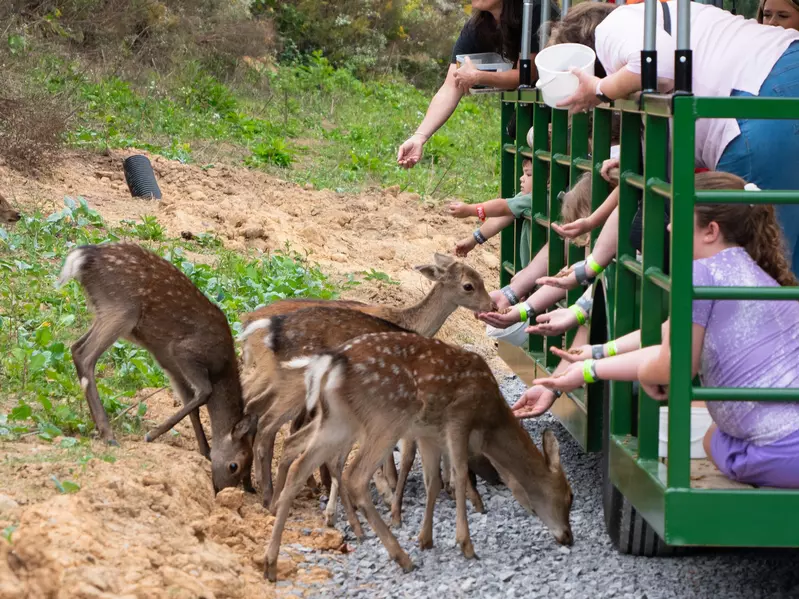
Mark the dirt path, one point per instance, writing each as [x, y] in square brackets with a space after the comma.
[144, 523]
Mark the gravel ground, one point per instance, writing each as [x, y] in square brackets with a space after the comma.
[518, 557]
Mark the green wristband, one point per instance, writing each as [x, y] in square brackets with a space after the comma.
[593, 264]
[522, 312]
[578, 313]
[612, 350]
[587, 375]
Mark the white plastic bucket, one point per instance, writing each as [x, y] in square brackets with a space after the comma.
[553, 63]
[700, 422]
[514, 334]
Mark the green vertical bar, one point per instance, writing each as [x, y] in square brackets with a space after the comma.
[656, 144]
[626, 282]
[558, 181]
[682, 253]
[541, 116]
[600, 151]
[523, 123]
[507, 251]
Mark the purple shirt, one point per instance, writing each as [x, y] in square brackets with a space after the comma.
[747, 344]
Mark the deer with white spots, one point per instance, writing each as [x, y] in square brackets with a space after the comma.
[139, 296]
[378, 388]
[456, 285]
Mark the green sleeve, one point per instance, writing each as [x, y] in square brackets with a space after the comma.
[521, 205]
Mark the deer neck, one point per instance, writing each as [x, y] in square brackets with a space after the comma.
[226, 404]
[512, 451]
[429, 315]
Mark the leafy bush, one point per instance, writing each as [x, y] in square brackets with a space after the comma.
[38, 322]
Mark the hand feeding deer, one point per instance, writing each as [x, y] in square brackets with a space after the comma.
[456, 284]
[137, 295]
[378, 388]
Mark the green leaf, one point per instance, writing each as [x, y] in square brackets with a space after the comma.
[21, 412]
[38, 361]
[70, 487]
[67, 442]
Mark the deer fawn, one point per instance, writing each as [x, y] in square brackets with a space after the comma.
[456, 284]
[378, 388]
[141, 297]
[8, 215]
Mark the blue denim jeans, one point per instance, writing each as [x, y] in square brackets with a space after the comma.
[766, 152]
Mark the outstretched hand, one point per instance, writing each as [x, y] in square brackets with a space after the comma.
[570, 379]
[533, 402]
[573, 229]
[553, 323]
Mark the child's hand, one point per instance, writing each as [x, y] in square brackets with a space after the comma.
[573, 229]
[501, 319]
[606, 166]
[571, 379]
[533, 402]
[658, 392]
[499, 299]
[575, 354]
[459, 210]
[554, 323]
[464, 246]
[565, 279]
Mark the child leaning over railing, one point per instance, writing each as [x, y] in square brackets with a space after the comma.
[735, 343]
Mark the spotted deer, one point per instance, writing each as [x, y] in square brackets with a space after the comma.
[138, 296]
[378, 388]
[8, 215]
[456, 284]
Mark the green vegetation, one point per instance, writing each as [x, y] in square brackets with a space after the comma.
[38, 323]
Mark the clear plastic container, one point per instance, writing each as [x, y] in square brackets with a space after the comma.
[486, 61]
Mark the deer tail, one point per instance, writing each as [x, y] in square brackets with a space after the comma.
[317, 368]
[73, 266]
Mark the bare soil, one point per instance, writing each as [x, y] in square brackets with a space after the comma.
[145, 523]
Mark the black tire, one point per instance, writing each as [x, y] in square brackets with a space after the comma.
[140, 177]
[628, 531]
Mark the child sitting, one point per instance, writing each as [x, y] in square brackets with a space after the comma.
[736, 343]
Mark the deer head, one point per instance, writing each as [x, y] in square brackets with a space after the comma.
[7, 214]
[461, 284]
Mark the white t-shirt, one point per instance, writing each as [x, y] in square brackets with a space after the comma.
[729, 52]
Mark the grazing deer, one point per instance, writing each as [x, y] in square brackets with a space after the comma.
[138, 296]
[8, 215]
[456, 284]
[378, 388]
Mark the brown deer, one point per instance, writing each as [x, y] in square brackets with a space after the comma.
[456, 284]
[138, 296]
[379, 388]
[8, 215]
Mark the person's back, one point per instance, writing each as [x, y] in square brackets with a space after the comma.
[729, 53]
[747, 344]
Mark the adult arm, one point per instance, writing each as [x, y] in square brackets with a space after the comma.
[441, 108]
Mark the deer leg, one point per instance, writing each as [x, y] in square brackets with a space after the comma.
[390, 471]
[183, 391]
[106, 329]
[293, 446]
[474, 496]
[459, 455]
[320, 449]
[337, 488]
[446, 473]
[202, 391]
[408, 454]
[431, 459]
[383, 487]
[373, 450]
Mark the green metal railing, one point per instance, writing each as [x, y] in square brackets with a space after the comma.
[641, 295]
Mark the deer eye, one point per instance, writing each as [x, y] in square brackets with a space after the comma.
[468, 287]
[233, 467]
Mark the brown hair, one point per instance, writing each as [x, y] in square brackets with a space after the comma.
[576, 204]
[754, 228]
[579, 26]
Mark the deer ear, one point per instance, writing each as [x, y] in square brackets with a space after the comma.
[430, 271]
[246, 427]
[551, 450]
[443, 260]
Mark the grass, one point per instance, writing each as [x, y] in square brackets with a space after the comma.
[38, 323]
[315, 124]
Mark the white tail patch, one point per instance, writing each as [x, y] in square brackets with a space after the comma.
[313, 380]
[297, 363]
[256, 325]
[72, 267]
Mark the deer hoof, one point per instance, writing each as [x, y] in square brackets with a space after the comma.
[396, 521]
[330, 520]
[405, 562]
[270, 571]
[147, 438]
[468, 549]
[112, 442]
[425, 544]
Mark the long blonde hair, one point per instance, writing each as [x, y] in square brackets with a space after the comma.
[576, 204]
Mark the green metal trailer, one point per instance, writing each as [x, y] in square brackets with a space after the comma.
[652, 507]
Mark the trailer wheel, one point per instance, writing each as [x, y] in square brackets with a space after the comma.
[627, 529]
